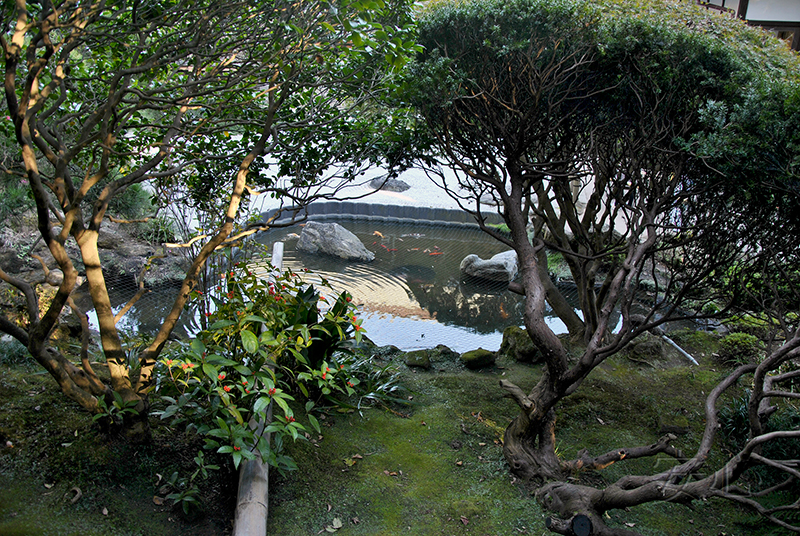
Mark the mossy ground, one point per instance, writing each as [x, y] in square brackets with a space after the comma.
[56, 449]
[432, 467]
[435, 469]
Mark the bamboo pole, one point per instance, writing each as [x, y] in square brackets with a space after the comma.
[252, 503]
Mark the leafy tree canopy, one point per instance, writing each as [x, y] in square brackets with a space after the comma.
[651, 143]
[202, 101]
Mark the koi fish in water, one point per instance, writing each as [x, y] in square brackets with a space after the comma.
[436, 253]
[378, 234]
[503, 314]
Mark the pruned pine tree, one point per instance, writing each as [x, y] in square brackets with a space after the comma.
[654, 146]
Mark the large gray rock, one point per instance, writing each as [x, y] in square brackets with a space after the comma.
[389, 185]
[333, 239]
[502, 267]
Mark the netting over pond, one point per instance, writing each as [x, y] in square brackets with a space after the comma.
[412, 295]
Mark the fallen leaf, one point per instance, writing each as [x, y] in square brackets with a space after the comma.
[630, 524]
[459, 463]
[464, 520]
[105, 511]
[481, 444]
[393, 473]
[329, 508]
[600, 420]
[48, 486]
[358, 457]
[65, 445]
[355, 521]
[337, 523]
[423, 423]
[78, 494]
[349, 462]
[158, 501]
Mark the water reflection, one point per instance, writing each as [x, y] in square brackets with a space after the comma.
[412, 295]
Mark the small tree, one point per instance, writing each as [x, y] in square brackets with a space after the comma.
[106, 95]
[594, 130]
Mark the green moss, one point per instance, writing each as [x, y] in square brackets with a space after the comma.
[701, 344]
[416, 475]
[56, 447]
[417, 471]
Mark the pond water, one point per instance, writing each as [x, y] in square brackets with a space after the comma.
[413, 295]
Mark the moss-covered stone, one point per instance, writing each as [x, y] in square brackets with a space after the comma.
[477, 359]
[671, 423]
[518, 345]
[443, 353]
[418, 358]
[646, 348]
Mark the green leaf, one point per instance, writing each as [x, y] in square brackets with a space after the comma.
[219, 324]
[210, 370]
[234, 411]
[198, 348]
[261, 405]
[220, 361]
[284, 406]
[253, 318]
[314, 423]
[303, 388]
[249, 341]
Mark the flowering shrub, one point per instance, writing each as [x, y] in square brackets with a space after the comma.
[268, 341]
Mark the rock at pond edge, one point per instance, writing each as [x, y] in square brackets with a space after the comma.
[333, 239]
[519, 346]
[503, 267]
[476, 359]
[418, 358]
